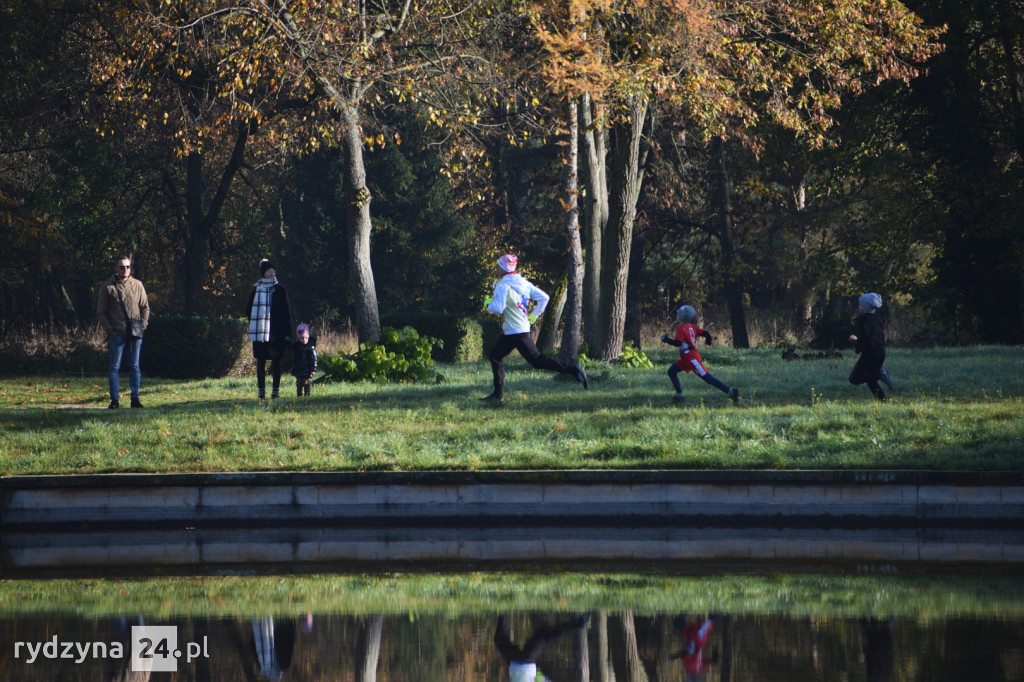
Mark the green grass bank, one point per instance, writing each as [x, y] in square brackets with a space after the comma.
[828, 596]
[953, 409]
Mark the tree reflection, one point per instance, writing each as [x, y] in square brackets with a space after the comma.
[627, 646]
[368, 653]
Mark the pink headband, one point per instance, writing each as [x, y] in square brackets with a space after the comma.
[508, 262]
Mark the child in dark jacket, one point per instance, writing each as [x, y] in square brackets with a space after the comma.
[304, 365]
[869, 344]
[689, 360]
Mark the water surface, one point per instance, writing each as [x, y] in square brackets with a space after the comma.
[572, 627]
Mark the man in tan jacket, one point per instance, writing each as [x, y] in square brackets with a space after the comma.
[123, 310]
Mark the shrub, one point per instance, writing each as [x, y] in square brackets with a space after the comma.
[401, 356]
[462, 337]
[631, 357]
[39, 351]
[634, 357]
[192, 347]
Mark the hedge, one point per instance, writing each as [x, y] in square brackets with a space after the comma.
[192, 347]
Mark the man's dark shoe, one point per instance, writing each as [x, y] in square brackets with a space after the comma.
[113, 405]
[581, 376]
[135, 402]
[492, 398]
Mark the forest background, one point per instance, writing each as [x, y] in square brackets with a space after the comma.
[763, 161]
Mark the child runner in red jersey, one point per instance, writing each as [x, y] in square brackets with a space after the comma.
[689, 360]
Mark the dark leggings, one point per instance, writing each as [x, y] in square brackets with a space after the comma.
[530, 651]
[673, 374]
[528, 349]
[261, 379]
[868, 371]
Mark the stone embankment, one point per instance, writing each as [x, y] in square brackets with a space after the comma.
[666, 520]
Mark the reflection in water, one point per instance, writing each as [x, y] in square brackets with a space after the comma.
[273, 645]
[695, 636]
[522, 661]
[118, 669]
[877, 649]
[623, 646]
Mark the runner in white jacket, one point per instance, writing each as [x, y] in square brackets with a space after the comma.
[511, 300]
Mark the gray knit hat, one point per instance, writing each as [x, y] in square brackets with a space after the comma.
[870, 301]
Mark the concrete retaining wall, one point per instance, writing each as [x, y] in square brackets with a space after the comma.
[240, 521]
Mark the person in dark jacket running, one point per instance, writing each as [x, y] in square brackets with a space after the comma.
[869, 344]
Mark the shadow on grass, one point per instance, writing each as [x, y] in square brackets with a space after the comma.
[530, 395]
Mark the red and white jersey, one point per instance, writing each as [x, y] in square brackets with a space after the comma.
[687, 334]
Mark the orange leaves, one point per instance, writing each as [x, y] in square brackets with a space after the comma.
[792, 61]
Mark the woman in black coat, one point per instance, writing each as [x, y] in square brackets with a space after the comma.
[270, 323]
[870, 346]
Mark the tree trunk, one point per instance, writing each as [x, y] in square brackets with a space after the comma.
[733, 285]
[595, 140]
[354, 189]
[634, 666]
[725, 627]
[197, 234]
[604, 671]
[200, 222]
[551, 318]
[581, 655]
[634, 304]
[574, 267]
[369, 649]
[626, 180]
[604, 662]
[803, 281]
[357, 197]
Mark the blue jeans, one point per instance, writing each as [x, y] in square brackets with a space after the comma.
[117, 345]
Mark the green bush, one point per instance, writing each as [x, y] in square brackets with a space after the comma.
[463, 337]
[634, 357]
[631, 357]
[192, 347]
[401, 356]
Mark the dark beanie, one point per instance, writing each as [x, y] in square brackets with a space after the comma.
[265, 265]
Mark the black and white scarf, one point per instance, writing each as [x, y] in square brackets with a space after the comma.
[259, 316]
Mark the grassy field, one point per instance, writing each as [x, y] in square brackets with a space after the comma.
[953, 409]
[829, 596]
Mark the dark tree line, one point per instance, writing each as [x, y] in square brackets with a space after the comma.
[917, 192]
